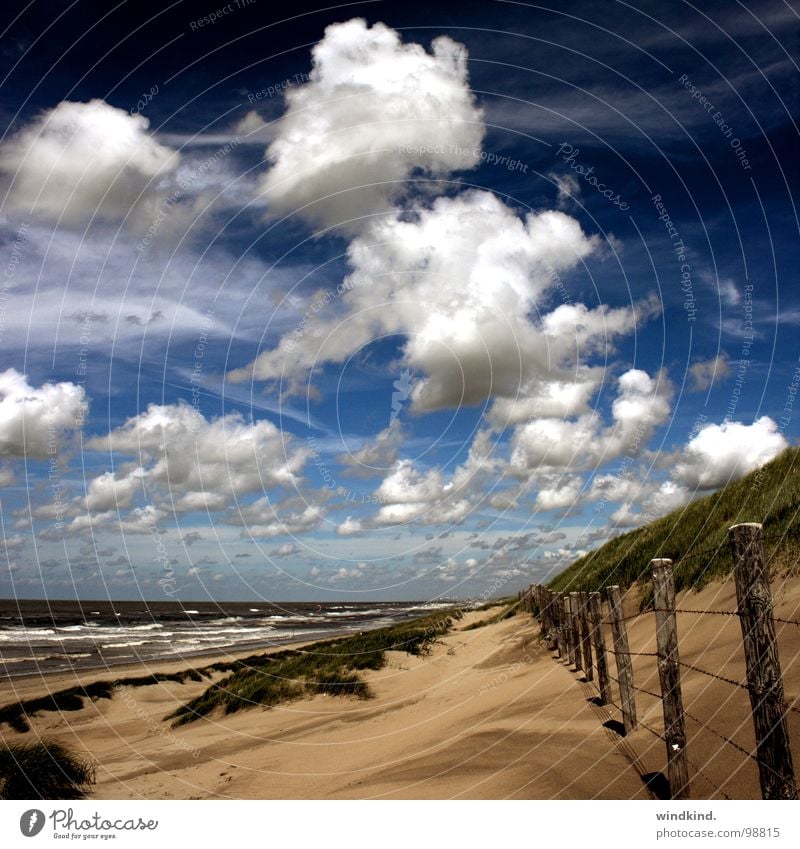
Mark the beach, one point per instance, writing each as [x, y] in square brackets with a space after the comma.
[488, 713]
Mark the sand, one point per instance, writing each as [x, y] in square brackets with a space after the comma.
[489, 714]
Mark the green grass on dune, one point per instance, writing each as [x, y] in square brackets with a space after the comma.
[43, 770]
[770, 495]
[330, 667]
[510, 609]
[18, 713]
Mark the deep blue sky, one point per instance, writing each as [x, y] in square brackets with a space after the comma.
[401, 319]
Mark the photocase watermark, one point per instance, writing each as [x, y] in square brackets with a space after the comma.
[146, 98]
[719, 119]
[402, 391]
[569, 155]
[784, 420]
[474, 153]
[95, 826]
[14, 260]
[197, 370]
[680, 251]
[222, 12]
[185, 182]
[329, 479]
[54, 481]
[317, 305]
[744, 361]
[82, 366]
[167, 582]
[624, 472]
[507, 673]
[660, 505]
[271, 90]
[154, 726]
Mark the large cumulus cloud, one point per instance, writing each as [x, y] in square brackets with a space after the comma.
[79, 160]
[374, 112]
[459, 280]
[36, 422]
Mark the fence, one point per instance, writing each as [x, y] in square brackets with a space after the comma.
[572, 623]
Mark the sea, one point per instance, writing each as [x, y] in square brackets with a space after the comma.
[54, 636]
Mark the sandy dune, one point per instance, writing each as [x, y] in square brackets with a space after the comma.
[488, 714]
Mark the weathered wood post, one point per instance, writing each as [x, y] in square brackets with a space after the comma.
[552, 615]
[669, 676]
[599, 645]
[546, 616]
[586, 645]
[622, 655]
[569, 625]
[555, 606]
[574, 606]
[764, 679]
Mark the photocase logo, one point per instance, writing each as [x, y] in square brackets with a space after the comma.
[402, 387]
[31, 822]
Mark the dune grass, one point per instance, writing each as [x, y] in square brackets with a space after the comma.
[43, 770]
[511, 609]
[73, 698]
[330, 667]
[770, 495]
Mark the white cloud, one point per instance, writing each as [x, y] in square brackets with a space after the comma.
[34, 421]
[564, 492]
[285, 550]
[721, 453]
[642, 403]
[373, 112]
[107, 492]
[349, 527]
[446, 511]
[182, 452]
[407, 485]
[12, 545]
[376, 455]
[621, 487]
[569, 189]
[704, 372]
[186, 463]
[261, 520]
[459, 280]
[626, 517]
[77, 160]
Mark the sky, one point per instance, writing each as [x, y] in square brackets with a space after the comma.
[384, 300]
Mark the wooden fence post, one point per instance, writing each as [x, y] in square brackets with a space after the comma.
[622, 655]
[569, 625]
[547, 616]
[555, 604]
[553, 617]
[575, 605]
[586, 646]
[669, 676]
[764, 680]
[599, 645]
[547, 601]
